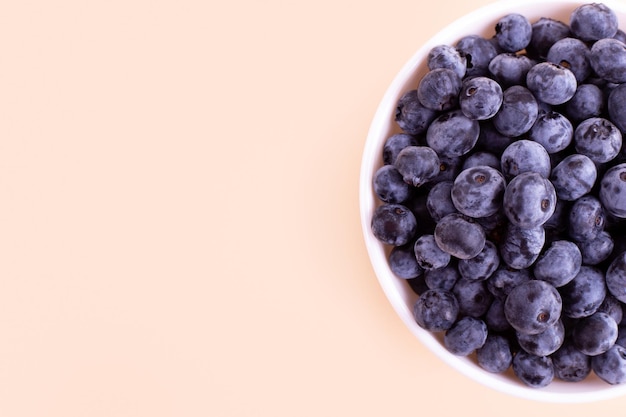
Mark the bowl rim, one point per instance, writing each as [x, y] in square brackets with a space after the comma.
[367, 203]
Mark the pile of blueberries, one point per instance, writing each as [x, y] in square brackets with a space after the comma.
[503, 197]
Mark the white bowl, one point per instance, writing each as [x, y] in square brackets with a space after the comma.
[481, 21]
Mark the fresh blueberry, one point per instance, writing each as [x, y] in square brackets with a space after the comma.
[402, 262]
[491, 140]
[529, 200]
[449, 168]
[612, 192]
[598, 249]
[439, 200]
[481, 158]
[534, 371]
[586, 218]
[481, 266]
[559, 264]
[594, 334]
[417, 164]
[510, 69]
[544, 343]
[610, 366]
[459, 236]
[545, 33]
[513, 32]
[428, 254]
[573, 54]
[533, 306]
[447, 56]
[478, 192]
[436, 310]
[480, 98]
[613, 307]
[551, 83]
[570, 364]
[593, 21]
[598, 138]
[394, 224]
[495, 355]
[616, 105]
[465, 336]
[608, 59]
[616, 277]
[442, 278]
[521, 247]
[503, 280]
[411, 116]
[525, 156]
[478, 52]
[452, 134]
[583, 295]
[394, 144]
[439, 89]
[574, 177]
[389, 186]
[588, 101]
[518, 112]
[473, 297]
[553, 131]
[494, 317]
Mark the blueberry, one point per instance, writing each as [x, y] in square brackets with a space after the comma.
[610, 366]
[616, 105]
[494, 317]
[389, 186]
[551, 83]
[525, 156]
[529, 200]
[598, 249]
[465, 336]
[613, 307]
[442, 278]
[518, 112]
[449, 168]
[553, 131]
[513, 32]
[608, 58]
[559, 264]
[417, 164]
[394, 144]
[428, 254]
[491, 140]
[411, 116]
[452, 134]
[574, 177]
[598, 138]
[495, 355]
[503, 280]
[481, 266]
[480, 98]
[436, 310]
[439, 89]
[478, 191]
[612, 192]
[586, 218]
[473, 297]
[439, 200]
[544, 343]
[447, 56]
[570, 364]
[588, 101]
[478, 53]
[545, 33]
[521, 247]
[479, 158]
[402, 262]
[573, 54]
[593, 21]
[595, 334]
[616, 277]
[459, 236]
[510, 69]
[583, 295]
[533, 306]
[534, 371]
[394, 224]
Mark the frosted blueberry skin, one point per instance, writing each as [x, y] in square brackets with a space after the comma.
[403, 263]
[452, 134]
[480, 158]
[491, 140]
[612, 192]
[478, 192]
[616, 277]
[597, 250]
[545, 33]
[544, 343]
[428, 254]
[616, 105]
[411, 116]
[394, 224]
[439, 200]
[551, 83]
[570, 364]
[598, 138]
[503, 280]
[529, 200]
[449, 168]
[613, 307]
[525, 156]
[480, 98]
[442, 278]
[417, 165]
[534, 371]
[394, 144]
[510, 69]
[447, 56]
[583, 295]
[595, 334]
[436, 310]
[439, 89]
[573, 54]
[586, 218]
[495, 355]
[610, 366]
[608, 58]
[473, 297]
[533, 306]
[513, 32]
[559, 263]
[389, 185]
[553, 131]
[518, 112]
[494, 317]
[465, 336]
[481, 266]
[459, 236]
[593, 21]
[588, 101]
[574, 177]
[478, 53]
[521, 247]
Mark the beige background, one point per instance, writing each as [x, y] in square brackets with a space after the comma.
[179, 225]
